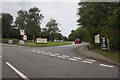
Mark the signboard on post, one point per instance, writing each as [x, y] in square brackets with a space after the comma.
[41, 40]
[25, 37]
[22, 42]
[97, 38]
[22, 32]
[105, 44]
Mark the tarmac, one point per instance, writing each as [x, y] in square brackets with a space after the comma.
[90, 54]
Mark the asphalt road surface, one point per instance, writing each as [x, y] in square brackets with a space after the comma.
[52, 62]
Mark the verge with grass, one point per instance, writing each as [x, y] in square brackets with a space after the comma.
[50, 43]
[113, 55]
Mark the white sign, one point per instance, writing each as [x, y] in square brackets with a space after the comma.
[41, 40]
[24, 37]
[97, 38]
[10, 41]
[22, 32]
[21, 42]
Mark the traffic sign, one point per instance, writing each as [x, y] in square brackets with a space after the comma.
[24, 37]
[22, 32]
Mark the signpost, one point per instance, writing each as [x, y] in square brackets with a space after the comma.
[105, 43]
[41, 40]
[25, 37]
[97, 38]
[22, 32]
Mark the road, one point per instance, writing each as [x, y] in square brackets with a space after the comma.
[52, 62]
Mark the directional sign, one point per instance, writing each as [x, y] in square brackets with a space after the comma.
[22, 32]
[97, 38]
[24, 37]
[41, 40]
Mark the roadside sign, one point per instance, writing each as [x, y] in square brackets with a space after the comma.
[22, 32]
[97, 38]
[10, 41]
[105, 43]
[24, 37]
[22, 42]
[41, 40]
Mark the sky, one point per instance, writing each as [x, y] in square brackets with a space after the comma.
[63, 11]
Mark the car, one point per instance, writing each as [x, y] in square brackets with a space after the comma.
[77, 41]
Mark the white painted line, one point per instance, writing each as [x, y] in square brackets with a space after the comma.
[56, 54]
[34, 51]
[38, 52]
[61, 57]
[52, 55]
[72, 59]
[0, 57]
[90, 60]
[87, 62]
[17, 71]
[76, 57]
[106, 65]
[65, 55]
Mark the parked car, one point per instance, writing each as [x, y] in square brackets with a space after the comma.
[77, 41]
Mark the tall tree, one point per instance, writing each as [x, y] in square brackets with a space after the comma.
[7, 20]
[30, 21]
[33, 22]
[52, 27]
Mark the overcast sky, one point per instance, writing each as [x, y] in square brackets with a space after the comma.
[63, 12]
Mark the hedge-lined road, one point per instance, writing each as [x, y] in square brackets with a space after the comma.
[53, 62]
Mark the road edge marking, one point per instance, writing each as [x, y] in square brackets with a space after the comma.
[17, 71]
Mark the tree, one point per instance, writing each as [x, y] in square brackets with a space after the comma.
[52, 28]
[21, 20]
[100, 18]
[7, 20]
[30, 21]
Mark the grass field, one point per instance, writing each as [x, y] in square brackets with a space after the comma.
[50, 43]
[113, 55]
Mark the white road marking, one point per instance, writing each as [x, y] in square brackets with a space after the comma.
[90, 60]
[38, 52]
[72, 59]
[52, 55]
[0, 57]
[76, 57]
[17, 71]
[34, 51]
[65, 55]
[56, 54]
[106, 65]
[61, 57]
[87, 62]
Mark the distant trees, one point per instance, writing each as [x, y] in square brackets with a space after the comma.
[30, 21]
[80, 33]
[7, 20]
[101, 18]
[51, 30]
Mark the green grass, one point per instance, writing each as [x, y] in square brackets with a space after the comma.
[50, 43]
[113, 55]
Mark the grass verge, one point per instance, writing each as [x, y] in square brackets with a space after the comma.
[113, 55]
[50, 43]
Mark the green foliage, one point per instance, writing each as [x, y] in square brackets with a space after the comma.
[81, 33]
[101, 18]
[7, 20]
[30, 21]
